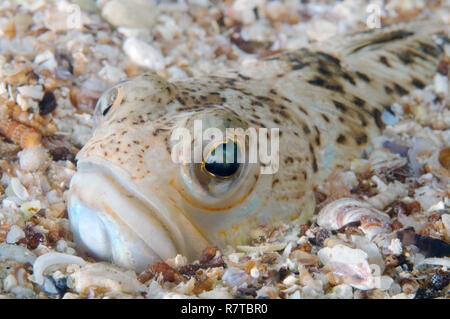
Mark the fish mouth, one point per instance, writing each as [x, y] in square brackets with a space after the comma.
[110, 221]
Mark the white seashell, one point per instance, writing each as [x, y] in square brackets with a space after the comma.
[185, 288]
[131, 13]
[388, 194]
[349, 265]
[287, 250]
[373, 251]
[395, 289]
[243, 10]
[45, 60]
[429, 198]
[17, 253]
[105, 276]
[112, 74]
[310, 293]
[22, 292]
[9, 282]
[343, 211]
[295, 295]
[381, 186]
[16, 188]
[395, 246]
[342, 291]
[53, 197]
[177, 261]
[415, 221]
[321, 29]
[360, 165]
[380, 160]
[254, 272]
[15, 233]
[144, 54]
[34, 91]
[290, 280]
[441, 84]
[30, 208]
[270, 247]
[33, 158]
[49, 259]
[235, 277]
[435, 261]
[11, 202]
[384, 282]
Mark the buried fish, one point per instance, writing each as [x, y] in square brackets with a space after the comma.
[130, 202]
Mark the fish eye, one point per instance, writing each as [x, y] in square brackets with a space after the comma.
[222, 161]
[106, 103]
[224, 175]
[110, 99]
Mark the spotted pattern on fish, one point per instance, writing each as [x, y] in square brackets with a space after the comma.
[327, 101]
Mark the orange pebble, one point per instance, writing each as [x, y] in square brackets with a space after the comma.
[444, 158]
[20, 134]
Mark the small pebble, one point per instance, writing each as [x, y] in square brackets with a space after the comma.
[130, 13]
[48, 103]
[33, 158]
[16, 188]
[14, 235]
[144, 54]
[33, 91]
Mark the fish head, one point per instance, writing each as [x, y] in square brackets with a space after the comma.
[147, 189]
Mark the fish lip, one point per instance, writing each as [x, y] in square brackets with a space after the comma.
[139, 219]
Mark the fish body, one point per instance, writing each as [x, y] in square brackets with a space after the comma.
[132, 204]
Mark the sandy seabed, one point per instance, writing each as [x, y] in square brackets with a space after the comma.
[57, 57]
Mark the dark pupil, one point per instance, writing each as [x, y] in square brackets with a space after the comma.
[223, 161]
[107, 110]
[111, 98]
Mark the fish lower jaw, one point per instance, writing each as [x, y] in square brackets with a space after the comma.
[109, 224]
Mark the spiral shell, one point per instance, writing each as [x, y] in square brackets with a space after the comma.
[343, 211]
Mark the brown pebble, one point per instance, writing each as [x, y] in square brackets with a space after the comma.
[398, 207]
[189, 270]
[61, 154]
[208, 254]
[444, 158]
[414, 207]
[320, 237]
[305, 247]
[391, 261]
[34, 240]
[319, 196]
[145, 276]
[202, 283]
[20, 134]
[48, 103]
[443, 67]
[396, 225]
[168, 273]
[434, 217]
